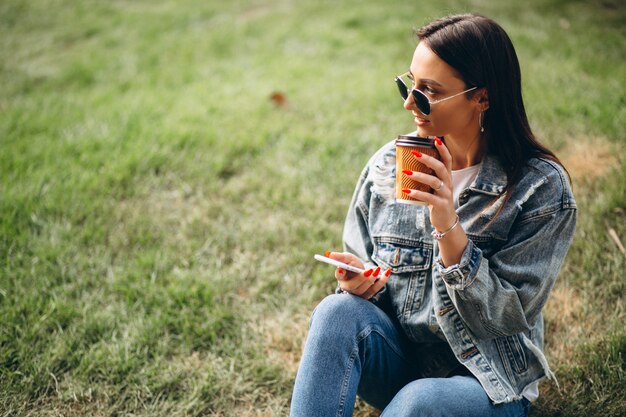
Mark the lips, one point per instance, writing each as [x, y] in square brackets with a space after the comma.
[420, 121]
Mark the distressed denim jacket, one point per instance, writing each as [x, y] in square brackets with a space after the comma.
[488, 307]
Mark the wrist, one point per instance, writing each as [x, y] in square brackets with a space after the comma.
[438, 235]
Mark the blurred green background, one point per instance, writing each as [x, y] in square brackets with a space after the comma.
[168, 168]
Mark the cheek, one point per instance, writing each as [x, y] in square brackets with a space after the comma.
[453, 118]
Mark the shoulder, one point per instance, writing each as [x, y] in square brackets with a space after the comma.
[556, 179]
[547, 168]
[383, 154]
[378, 175]
[543, 188]
[383, 158]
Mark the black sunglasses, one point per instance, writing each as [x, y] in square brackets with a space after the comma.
[421, 101]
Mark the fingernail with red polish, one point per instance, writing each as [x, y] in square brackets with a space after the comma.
[406, 191]
[377, 271]
[388, 272]
[438, 141]
[368, 272]
[340, 271]
[417, 154]
[327, 254]
[407, 172]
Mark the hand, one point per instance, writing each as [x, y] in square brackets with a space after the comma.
[365, 285]
[440, 203]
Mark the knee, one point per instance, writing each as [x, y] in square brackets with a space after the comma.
[331, 308]
[335, 304]
[418, 398]
[458, 395]
[338, 312]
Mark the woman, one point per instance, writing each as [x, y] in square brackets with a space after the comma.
[447, 323]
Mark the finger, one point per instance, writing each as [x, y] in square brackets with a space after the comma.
[376, 272]
[362, 288]
[376, 287]
[446, 157]
[357, 284]
[425, 197]
[435, 164]
[346, 258]
[340, 274]
[343, 280]
[430, 180]
[367, 284]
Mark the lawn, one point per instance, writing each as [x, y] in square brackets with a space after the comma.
[168, 169]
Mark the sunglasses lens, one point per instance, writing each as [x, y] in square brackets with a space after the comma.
[402, 88]
[421, 101]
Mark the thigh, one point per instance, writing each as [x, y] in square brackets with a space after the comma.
[386, 365]
[352, 346]
[376, 352]
[454, 396]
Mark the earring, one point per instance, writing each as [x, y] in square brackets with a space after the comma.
[480, 122]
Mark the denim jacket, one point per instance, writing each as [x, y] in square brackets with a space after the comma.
[488, 307]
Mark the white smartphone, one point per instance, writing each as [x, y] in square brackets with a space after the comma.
[339, 264]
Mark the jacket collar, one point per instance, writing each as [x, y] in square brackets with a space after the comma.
[491, 177]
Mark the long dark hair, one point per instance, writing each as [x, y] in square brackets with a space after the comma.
[484, 56]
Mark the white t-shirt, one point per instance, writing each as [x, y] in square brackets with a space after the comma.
[461, 179]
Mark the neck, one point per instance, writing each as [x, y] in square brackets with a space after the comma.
[465, 153]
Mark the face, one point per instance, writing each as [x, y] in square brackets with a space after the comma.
[453, 118]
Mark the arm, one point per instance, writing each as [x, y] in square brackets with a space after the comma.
[356, 237]
[358, 247]
[504, 294]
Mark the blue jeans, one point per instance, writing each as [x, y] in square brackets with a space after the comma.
[354, 347]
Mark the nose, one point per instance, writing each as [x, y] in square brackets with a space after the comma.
[409, 103]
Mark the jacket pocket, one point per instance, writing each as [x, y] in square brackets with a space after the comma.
[512, 354]
[402, 255]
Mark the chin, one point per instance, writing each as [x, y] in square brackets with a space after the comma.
[425, 132]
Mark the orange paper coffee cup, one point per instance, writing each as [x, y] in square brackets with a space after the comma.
[406, 160]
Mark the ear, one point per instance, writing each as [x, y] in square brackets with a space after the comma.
[482, 99]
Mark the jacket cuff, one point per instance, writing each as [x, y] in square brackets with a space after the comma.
[461, 275]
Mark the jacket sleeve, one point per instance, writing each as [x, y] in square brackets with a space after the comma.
[356, 233]
[504, 294]
[356, 237]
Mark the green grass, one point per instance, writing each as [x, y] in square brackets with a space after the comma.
[158, 213]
